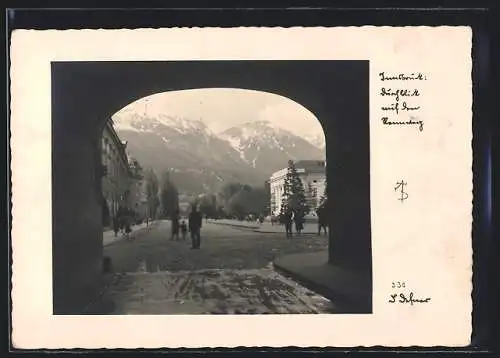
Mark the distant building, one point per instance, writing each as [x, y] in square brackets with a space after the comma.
[267, 187]
[137, 198]
[184, 208]
[313, 176]
[116, 172]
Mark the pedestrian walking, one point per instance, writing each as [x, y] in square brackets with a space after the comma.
[274, 220]
[128, 229]
[116, 225]
[184, 229]
[287, 220]
[121, 216]
[195, 221]
[127, 225]
[322, 224]
[175, 226]
[298, 217]
[121, 225]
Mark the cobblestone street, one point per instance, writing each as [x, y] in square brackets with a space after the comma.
[231, 274]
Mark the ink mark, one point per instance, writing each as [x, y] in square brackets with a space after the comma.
[401, 185]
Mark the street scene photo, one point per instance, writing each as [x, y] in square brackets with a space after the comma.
[199, 199]
[211, 188]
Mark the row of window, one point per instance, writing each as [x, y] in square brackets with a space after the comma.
[281, 188]
[113, 170]
[110, 156]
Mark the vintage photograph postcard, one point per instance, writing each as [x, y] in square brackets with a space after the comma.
[209, 187]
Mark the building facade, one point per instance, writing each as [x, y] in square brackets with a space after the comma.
[137, 197]
[313, 176]
[116, 173]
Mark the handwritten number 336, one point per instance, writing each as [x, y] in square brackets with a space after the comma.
[398, 284]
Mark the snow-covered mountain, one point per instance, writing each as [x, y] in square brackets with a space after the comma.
[267, 148]
[200, 160]
[317, 140]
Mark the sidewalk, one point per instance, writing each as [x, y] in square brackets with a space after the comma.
[108, 236]
[350, 290]
[235, 223]
[265, 227]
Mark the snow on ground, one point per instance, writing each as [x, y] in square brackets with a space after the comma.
[216, 291]
[230, 274]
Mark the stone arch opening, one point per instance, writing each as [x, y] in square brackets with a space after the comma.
[85, 94]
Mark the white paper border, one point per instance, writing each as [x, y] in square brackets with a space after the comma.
[429, 245]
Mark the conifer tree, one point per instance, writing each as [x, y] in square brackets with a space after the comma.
[287, 191]
[169, 196]
[152, 188]
[293, 192]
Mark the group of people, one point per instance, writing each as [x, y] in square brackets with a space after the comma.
[289, 217]
[193, 226]
[252, 217]
[298, 217]
[122, 221]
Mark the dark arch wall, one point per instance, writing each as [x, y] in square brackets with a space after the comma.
[85, 94]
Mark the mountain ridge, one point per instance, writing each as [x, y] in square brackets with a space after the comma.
[201, 160]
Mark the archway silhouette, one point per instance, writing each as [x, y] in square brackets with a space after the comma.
[85, 94]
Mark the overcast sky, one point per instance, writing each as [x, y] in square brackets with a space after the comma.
[223, 108]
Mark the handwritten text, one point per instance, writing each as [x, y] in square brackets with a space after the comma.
[403, 100]
[407, 299]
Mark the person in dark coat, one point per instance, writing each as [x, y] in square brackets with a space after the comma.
[116, 225]
[184, 229]
[127, 221]
[298, 217]
[175, 226]
[120, 220]
[195, 220]
[322, 224]
[128, 227]
[287, 220]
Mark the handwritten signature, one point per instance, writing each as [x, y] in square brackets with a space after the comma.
[410, 299]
